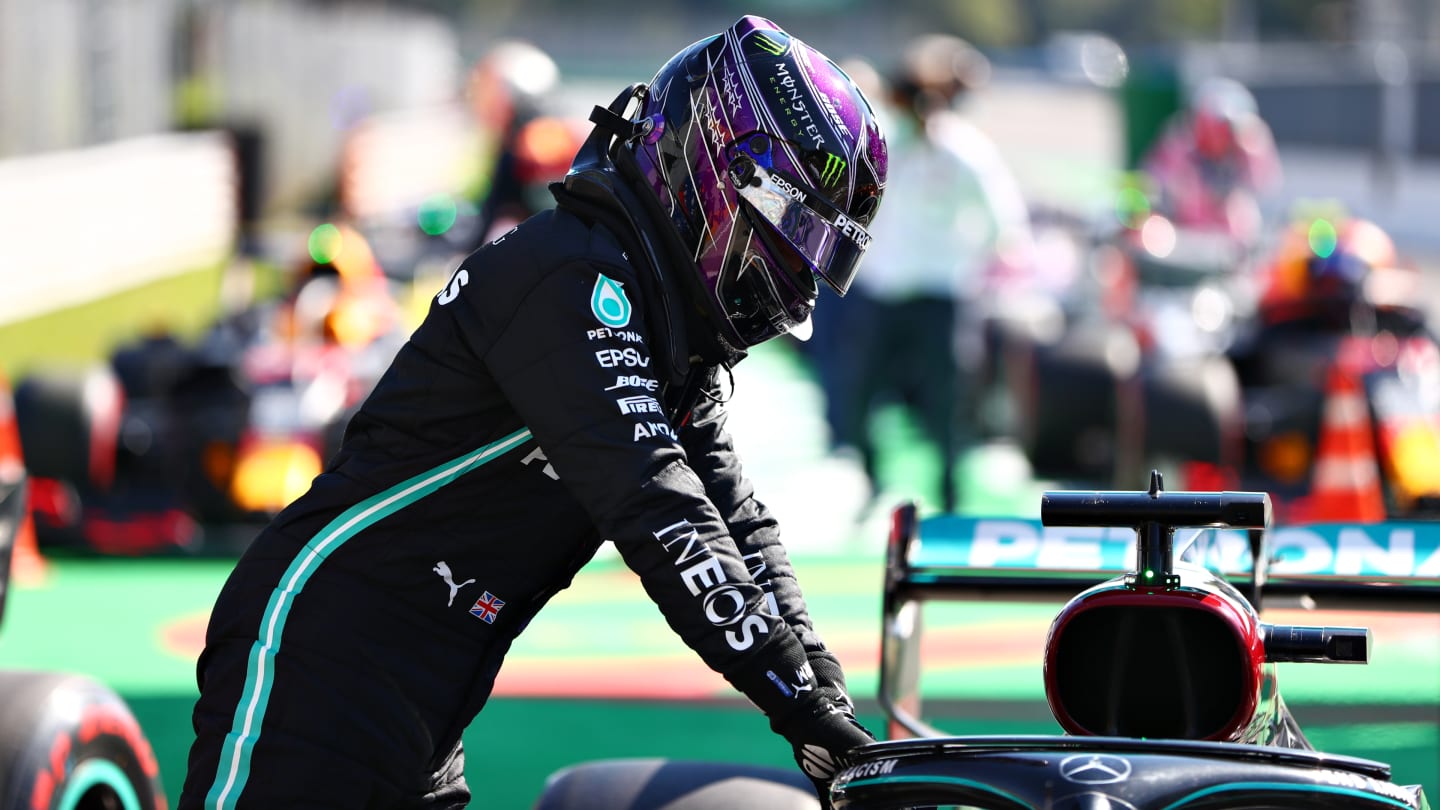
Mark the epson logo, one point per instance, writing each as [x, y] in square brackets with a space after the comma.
[789, 188]
[611, 358]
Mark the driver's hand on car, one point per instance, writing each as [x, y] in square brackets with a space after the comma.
[822, 737]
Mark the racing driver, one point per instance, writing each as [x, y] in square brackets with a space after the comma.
[565, 388]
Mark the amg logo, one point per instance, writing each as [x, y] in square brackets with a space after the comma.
[649, 430]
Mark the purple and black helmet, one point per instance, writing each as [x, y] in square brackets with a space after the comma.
[771, 165]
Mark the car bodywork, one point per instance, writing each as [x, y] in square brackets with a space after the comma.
[1093, 370]
[1158, 666]
[174, 445]
[67, 741]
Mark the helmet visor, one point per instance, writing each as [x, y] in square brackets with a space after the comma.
[830, 242]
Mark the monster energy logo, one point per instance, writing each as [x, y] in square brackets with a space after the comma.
[834, 167]
[769, 45]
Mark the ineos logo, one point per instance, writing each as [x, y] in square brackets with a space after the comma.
[1094, 769]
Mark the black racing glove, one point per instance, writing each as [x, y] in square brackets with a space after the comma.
[804, 697]
[830, 679]
[822, 736]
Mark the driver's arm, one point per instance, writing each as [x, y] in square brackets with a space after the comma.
[755, 531]
[585, 392]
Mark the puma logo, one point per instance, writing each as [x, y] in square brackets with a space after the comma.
[805, 677]
[443, 570]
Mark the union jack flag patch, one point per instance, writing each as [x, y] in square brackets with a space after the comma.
[487, 607]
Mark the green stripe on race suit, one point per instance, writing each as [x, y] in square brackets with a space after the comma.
[234, 769]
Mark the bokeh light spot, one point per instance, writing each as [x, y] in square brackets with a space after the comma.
[1131, 206]
[325, 243]
[1158, 236]
[1322, 238]
[437, 214]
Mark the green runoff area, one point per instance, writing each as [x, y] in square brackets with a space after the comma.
[598, 674]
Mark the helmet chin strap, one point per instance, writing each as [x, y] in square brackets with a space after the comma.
[605, 172]
[613, 118]
[610, 124]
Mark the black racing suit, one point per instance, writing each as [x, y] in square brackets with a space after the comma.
[530, 417]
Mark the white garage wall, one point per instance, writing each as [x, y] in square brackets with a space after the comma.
[84, 223]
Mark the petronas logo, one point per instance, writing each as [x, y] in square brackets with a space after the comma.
[834, 167]
[609, 303]
[769, 45]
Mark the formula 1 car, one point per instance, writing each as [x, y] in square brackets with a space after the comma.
[1160, 670]
[1119, 363]
[188, 446]
[1340, 376]
[67, 741]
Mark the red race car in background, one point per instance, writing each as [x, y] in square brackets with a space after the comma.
[66, 740]
[1340, 377]
[176, 446]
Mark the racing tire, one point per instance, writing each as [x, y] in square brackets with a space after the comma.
[1193, 411]
[999, 378]
[68, 742]
[1072, 405]
[69, 424]
[662, 784]
[150, 368]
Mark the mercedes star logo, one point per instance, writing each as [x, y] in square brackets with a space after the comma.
[1094, 769]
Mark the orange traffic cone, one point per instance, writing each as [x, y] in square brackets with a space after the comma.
[27, 566]
[1345, 485]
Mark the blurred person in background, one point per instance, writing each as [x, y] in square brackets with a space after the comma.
[526, 145]
[1326, 271]
[957, 206]
[565, 388]
[1213, 163]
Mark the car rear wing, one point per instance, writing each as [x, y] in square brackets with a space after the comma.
[1387, 566]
